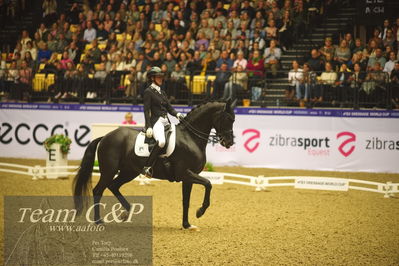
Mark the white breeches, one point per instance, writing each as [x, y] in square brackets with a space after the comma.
[159, 131]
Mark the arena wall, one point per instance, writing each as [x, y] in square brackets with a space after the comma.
[315, 139]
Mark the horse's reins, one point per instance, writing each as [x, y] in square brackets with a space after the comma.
[198, 133]
[202, 135]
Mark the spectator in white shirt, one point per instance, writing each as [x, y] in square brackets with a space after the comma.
[390, 65]
[240, 61]
[295, 77]
[272, 57]
[90, 33]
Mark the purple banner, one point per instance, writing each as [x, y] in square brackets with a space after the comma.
[185, 109]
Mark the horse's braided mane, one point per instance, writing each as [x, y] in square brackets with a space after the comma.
[199, 106]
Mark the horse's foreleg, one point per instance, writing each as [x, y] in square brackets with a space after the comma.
[197, 179]
[186, 191]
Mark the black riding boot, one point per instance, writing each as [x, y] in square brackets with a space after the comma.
[147, 170]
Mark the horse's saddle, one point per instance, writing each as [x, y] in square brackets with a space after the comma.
[144, 145]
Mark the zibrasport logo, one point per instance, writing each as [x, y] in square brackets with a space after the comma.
[254, 136]
[346, 147]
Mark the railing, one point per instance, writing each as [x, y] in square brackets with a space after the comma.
[260, 183]
[366, 90]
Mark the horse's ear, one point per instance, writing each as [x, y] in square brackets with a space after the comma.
[228, 106]
[233, 105]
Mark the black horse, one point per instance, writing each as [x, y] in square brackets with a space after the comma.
[116, 153]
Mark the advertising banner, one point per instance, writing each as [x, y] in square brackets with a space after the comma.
[315, 139]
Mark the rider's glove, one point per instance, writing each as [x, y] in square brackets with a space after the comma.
[148, 132]
[180, 116]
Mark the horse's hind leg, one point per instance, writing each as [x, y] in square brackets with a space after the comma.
[98, 191]
[115, 185]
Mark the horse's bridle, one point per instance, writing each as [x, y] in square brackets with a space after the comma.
[206, 136]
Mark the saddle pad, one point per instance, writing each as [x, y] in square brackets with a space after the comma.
[141, 148]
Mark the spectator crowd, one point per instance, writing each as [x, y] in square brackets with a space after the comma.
[346, 70]
[114, 43]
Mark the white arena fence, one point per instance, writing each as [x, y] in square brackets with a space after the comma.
[260, 183]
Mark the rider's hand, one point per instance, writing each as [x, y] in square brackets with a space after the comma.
[180, 116]
[149, 132]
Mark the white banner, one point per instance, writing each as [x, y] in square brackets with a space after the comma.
[273, 141]
[322, 143]
[319, 183]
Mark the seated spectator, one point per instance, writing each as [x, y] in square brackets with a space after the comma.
[156, 15]
[101, 34]
[259, 18]
[25, 81]
[132, 88]
[257, 38]
[350, 43]
[202, 40]
[310, 84]
[315, 62]
[29, 61]
[376, 38]
[390, 65]
[385, 27]
[38, 42]
[395, 85]
[387, 51]
[375, 86]
[90, 33]
[44, 54]
[270, 31]
[334, 63]
[256, 70]
[178, 82]
[129, 119]
[356, 80]
[342, 53]
[327, 80]
[240, 61]
[389, 40]
[194, 66]
[359, 47]
[328, 48]
[272, 57]
[357, 58]
[224, 59]
[378, 58]
[62, 43]
[285, 30]
[295, 78]
[222, 77]
[208, 64]
[51, 43]
[31, 49]
[65, 59]
[12, 80]
[344, 92]
[238, 82]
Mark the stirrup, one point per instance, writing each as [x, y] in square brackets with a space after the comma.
[147, 171]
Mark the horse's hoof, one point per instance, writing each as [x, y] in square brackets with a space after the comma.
[200, 212]
[99, 221]
[191, 228]
[124, 215]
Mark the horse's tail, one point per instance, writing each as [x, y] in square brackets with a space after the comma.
[83, 178]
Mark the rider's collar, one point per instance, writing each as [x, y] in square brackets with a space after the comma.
[156, 87]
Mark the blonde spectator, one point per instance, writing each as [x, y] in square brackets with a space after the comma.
[129, 119]
[342, 53]
[240, 61]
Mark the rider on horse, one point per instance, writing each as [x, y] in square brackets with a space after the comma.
[156, 109]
